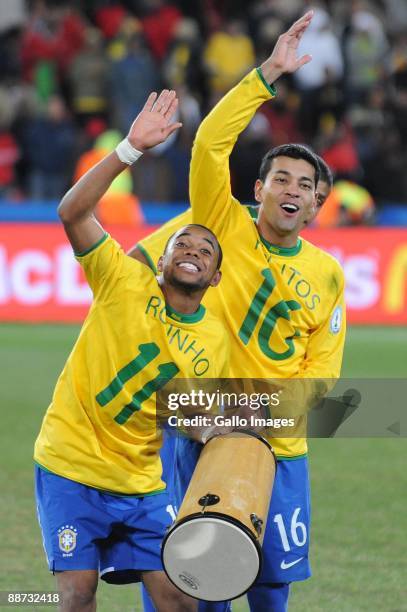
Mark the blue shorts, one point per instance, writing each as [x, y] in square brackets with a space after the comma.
[286, 541]
[84, 528]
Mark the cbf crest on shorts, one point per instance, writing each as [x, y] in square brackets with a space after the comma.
[67, 535]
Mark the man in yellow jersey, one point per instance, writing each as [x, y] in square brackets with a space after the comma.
[100, 497]
[281, 298]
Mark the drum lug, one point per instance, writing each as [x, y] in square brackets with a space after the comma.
[257, 523]
[210, 499]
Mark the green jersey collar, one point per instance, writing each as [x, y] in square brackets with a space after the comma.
[186, 318]
[284, 251]
[253, 211]
[274, 248]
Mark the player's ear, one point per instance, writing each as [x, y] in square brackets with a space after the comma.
[160, 264]
[216, 278]
[258, 186]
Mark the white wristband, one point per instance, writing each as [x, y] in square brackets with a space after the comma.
[127, 153]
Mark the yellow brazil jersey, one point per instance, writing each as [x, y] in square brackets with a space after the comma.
[283, 307]
[100, 428]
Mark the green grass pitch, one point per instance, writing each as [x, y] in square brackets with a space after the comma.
[359, 486]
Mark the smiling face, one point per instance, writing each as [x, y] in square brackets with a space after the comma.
[190, 260]
[287, 196]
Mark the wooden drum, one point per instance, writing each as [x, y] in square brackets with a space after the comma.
[213, 550]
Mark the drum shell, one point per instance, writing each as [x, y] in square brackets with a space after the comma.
[239, 469]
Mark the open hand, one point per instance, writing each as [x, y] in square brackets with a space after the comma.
[152, 126]
[284, 56]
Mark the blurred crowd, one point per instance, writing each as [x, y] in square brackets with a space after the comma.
[73, 75]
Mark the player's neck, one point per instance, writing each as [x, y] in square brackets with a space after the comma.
[274, 237]
[184, 303]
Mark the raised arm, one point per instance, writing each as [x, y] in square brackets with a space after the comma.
[210, 189]
[76, 210]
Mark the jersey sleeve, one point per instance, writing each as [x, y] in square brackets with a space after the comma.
[321, 367]
[105, 266]
[152, 246]
[210, 190]
[326, 343]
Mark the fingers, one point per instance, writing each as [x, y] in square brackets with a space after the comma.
[150, 101]
[164, 101]
[161, 100]
[302, 23]
[171, 108]
[304, 60]
[298, 27]
[171, 128]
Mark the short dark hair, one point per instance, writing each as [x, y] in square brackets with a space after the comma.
[220, 252]
[325, 172]
[295, 151]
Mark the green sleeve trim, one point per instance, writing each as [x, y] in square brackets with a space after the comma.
[284, 458]
[147, 256]
[270, 88]
[93, 247]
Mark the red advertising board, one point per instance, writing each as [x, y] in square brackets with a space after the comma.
[41, 281]
[375, 265]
